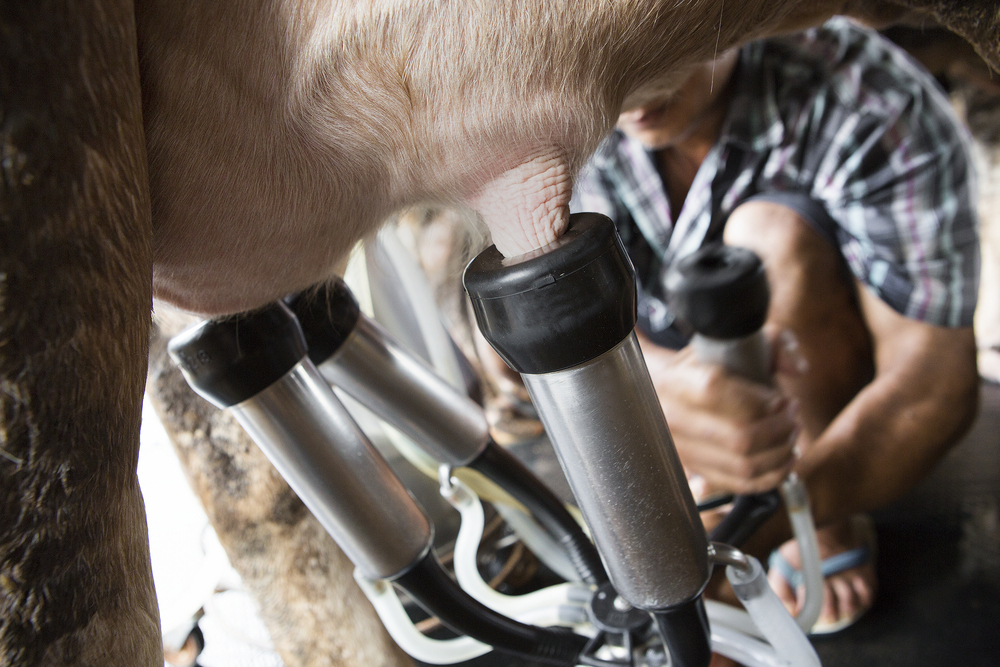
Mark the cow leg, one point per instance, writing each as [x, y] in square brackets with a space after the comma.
[315, 612]
[977, 21]
[75, 296]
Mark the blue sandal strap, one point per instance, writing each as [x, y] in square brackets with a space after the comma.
[846, 560]
[778, 562]
[835, 564]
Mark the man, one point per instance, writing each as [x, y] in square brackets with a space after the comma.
[836, 159]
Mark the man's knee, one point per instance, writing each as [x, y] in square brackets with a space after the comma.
[805, 270]
[778, 234]
[813, 296]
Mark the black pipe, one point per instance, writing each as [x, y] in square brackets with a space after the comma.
[686, 634]
[431, 587]
[715, 502]
[329, 315]
[506, 470]
[749, 513]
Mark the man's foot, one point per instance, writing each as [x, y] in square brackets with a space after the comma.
[848, 552]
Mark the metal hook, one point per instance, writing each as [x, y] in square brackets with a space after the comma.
[725, 554]
[444, 479]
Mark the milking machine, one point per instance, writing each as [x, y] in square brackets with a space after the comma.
[257, 366]
[355, 354]
[721, 292]
[563, 317]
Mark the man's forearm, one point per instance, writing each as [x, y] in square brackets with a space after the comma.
[888, 437]
[922, 399]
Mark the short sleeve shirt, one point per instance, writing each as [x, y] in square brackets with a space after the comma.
[845, 128]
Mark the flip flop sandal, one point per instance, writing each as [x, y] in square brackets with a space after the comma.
[861, 525]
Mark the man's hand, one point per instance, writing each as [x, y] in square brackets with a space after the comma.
[738, 435]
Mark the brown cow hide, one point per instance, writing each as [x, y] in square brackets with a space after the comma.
[75, 267]
[75, 293]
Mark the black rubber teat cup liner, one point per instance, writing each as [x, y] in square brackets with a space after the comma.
[721, 291]
[559, 306]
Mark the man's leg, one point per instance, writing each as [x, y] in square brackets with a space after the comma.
[813, 296]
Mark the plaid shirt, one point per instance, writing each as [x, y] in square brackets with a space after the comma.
[843, 127]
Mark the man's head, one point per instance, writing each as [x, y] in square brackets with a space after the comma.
[662, 115]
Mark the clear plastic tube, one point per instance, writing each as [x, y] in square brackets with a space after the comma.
[769, 614]
[424, 308]
[448, 651]
[745, 650]
[405, 634]
[735, 633]
[722, 614]
[467, 544]
[538, 541]
[751, 357]
[793, 491]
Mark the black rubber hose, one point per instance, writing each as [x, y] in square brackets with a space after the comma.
[716, 501]
[505, 469]
[748, 514]
[431, 587]
[686, 634]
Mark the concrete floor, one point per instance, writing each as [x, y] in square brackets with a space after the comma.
[938, 565]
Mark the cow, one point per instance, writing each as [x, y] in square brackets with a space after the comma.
[221, 154]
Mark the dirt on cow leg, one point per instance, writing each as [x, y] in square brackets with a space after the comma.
[303, 582]
[976, 20]
[76, 586]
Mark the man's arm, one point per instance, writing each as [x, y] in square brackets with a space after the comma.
[922, 399]
[735, 433]
[738, 434]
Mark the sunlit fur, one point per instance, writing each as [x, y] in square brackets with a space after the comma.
[280, 132]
